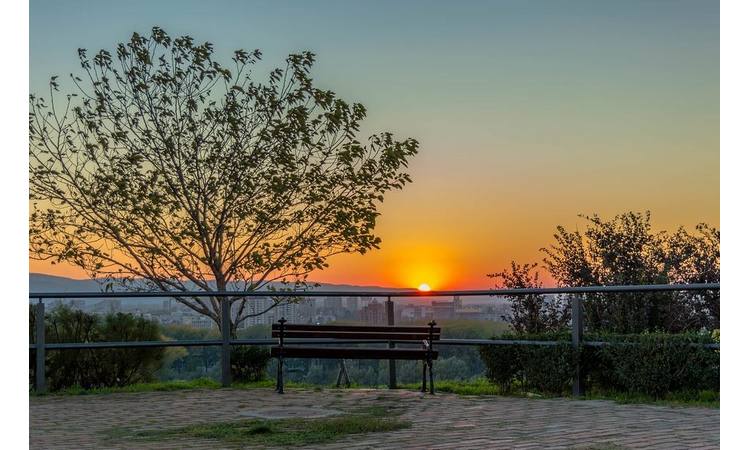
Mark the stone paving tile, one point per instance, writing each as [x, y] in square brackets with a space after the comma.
[443, 421]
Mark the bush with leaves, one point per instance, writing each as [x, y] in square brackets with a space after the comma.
[95, 368]
[626, 250]
[503, 363]
[653, 364]
[621, 251]
[542, 368]
[248, 363]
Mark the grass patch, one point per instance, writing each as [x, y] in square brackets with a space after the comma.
[177, 385]
[286, 432]
[482, 386]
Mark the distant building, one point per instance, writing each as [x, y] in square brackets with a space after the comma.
[442, 310]
[288, 311]
[352, 303]
[254, 307]
[412, 313]
[334, 303]
[373, 314]
[306, 310]
[198, 321]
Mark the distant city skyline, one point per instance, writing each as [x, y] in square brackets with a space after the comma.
[528, 112]
[320, 310]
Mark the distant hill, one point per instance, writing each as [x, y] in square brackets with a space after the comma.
[39, 282]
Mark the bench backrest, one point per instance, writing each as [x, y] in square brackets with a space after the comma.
[353, 332]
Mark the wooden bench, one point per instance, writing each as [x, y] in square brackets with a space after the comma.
[422, 335]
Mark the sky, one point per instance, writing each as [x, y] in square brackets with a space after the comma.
[528, 112]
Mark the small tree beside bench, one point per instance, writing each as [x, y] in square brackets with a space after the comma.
[291, 334]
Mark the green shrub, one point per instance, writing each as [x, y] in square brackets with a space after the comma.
[655, 364]
[550, 369]
[504, 364]
[97, 368]
[249, 363]
[652, 364]
[541, 368]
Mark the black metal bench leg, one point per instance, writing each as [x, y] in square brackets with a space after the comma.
[432, 384]
[424, 376]
[343, 375]
[338, 378]
[347, 381]
[280, 377]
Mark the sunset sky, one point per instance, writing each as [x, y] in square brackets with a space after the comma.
[528, 112]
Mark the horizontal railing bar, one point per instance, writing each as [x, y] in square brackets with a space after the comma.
[127, 344]
[199, 343]
[496, 342]
[309, 341]
[297, 327]
[412, 293]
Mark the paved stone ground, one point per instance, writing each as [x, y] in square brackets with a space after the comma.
[442, 421]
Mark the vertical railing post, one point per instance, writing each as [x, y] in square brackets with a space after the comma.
[280, 365]
[226, 348]
[41, 382]
[391, 363]
[576, 340]
[429, 356]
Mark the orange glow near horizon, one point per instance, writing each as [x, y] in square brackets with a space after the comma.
[424, 287]
[435, 255]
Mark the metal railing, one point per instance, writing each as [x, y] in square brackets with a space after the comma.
[226, 341]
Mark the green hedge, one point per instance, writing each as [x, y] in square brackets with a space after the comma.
[543, 368]
[654, 364]
[96, 368]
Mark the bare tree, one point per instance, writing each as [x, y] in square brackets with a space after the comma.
[165, 167]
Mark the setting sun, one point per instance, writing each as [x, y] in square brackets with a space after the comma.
[424, 287]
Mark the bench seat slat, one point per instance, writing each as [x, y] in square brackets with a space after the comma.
[352, 335]
[355, 328]
[351, 353]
